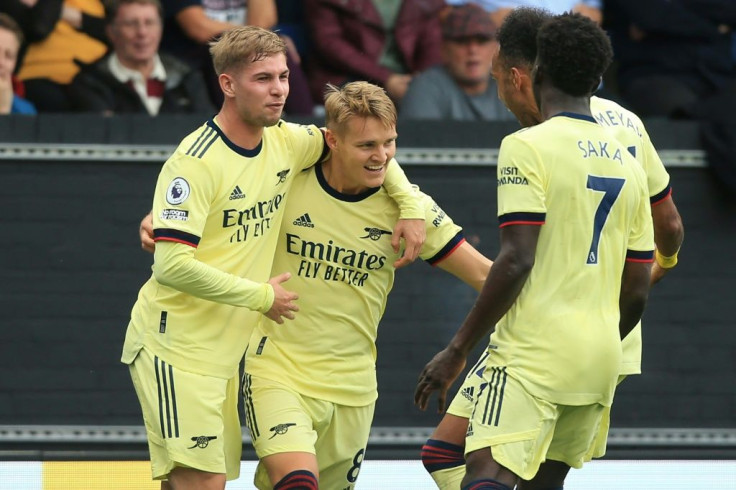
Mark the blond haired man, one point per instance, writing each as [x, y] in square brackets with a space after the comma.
[310, 385]
[217, 210]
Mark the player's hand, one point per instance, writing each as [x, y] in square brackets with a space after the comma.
[414, 233]
[146, 233]
[283, 300]
[657, 273]
[438, 375]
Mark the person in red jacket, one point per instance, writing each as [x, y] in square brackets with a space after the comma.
[384, 42]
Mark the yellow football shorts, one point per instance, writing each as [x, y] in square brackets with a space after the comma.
[191, 420]
[281, 421]
[523, 431]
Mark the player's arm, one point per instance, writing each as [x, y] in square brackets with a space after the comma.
[191, 277]
[635, 279]
[503, 285]
[668, 229]
[411, 225]
[467, 264]
[634, 293]
[669, 233]
[175, 266]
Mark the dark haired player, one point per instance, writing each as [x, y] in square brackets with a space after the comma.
[442, 454]
[571, 278]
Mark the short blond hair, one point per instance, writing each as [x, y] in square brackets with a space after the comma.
[357, 99]
[242, 45]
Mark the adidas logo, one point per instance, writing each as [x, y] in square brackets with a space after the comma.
[304, 220]
[468, 393]
[237, 194]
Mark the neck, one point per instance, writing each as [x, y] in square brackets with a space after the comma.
[145, 68]
[238, 131]
[332, 171]
[475, 88]
[554, 101]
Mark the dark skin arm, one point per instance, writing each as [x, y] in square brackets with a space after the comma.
[502, 286]
[634, 293]
[668, 233]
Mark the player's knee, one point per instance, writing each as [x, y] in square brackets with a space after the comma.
[298, 480]
[440, 455]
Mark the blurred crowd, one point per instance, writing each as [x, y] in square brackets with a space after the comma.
[673, 58]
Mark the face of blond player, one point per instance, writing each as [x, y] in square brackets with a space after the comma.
[136, 33]
[259, 90]
[361, 151]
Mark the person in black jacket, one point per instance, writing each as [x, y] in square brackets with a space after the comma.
[135, 77]
[672, 54]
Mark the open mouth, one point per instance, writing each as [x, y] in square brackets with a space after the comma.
[374, 168]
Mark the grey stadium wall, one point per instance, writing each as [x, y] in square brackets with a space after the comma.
[75, 187]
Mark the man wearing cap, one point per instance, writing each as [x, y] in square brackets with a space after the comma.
[461, 88]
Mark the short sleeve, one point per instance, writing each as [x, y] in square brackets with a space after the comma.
[182, 199]
[521, 182]
[307, 144]
[443, 235]
[640, 247]
[658, 180]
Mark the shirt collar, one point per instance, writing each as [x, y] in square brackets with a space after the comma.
[124, 74]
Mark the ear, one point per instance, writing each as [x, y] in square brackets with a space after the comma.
[226, 85]
[331, 139]
[517, 78]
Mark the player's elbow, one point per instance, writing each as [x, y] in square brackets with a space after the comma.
[673, 228]
[668, 228]
[162, 273]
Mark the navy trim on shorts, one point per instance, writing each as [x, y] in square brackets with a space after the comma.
[164, 403]
[496, 386]
[250, 411]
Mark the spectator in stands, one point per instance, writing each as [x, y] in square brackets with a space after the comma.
[49, 65]
[384, 42]
[499, 9]
[11, 39]
[189, 26]
[671, 53]
[461, 88]
[36, 19]
[675, 59]
[134, 77]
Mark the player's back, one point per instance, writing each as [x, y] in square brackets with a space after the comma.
[572, 175]
[628, 129]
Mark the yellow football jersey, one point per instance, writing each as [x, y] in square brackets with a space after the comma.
[569, 175]
[338, 249]
[226, 202]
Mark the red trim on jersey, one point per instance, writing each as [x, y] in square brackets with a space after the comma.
[449, 252]
[540, 223]
[642, 261]
[662, 199]
[177, 240]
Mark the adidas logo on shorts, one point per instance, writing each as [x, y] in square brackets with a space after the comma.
[237, 193]
[304, 220]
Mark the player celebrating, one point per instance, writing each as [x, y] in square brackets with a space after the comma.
[571, 278]
[310, 385]
[442, 455]
[218, 206]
